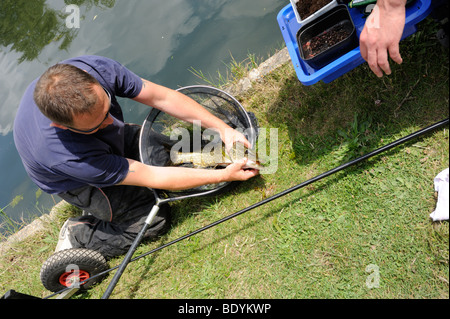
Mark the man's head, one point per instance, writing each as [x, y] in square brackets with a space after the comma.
[72, 99]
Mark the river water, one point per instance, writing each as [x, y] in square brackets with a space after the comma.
[159, 40]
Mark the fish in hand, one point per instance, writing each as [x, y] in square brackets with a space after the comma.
[218, 157]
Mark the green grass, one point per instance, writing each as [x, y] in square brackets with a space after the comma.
[234, 71]
[324, 240]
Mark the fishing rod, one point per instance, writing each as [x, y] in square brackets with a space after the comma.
[281, 194]
[301, 185]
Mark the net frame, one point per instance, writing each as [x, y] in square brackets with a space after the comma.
[153, 137]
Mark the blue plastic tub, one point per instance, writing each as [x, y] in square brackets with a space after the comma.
[415, 12]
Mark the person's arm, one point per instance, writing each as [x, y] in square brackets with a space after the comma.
[180, 178]
[182, 107]
[381, 35]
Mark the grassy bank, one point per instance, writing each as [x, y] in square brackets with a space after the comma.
[327, 240]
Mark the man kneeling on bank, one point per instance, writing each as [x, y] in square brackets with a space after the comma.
[72, 139]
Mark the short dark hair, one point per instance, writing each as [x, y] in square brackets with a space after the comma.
[63, 91]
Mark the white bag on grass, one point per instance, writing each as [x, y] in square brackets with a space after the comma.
[441, 186]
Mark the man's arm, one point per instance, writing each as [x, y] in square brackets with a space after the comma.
[183, 107]
[381, 35]
[179, 178]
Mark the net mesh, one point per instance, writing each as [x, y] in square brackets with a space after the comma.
[161, 132]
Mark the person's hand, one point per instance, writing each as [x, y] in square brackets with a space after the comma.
[380, 37]
[230, 136]
[236, 171]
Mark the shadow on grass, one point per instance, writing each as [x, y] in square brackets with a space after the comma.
[358, 111]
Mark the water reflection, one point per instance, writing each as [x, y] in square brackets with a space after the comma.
[28, 30]
[27, 26]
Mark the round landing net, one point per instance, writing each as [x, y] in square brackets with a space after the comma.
[161, 133]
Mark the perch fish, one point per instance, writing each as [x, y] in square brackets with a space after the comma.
[219, 158]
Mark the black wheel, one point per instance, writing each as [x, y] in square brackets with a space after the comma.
[60, 269]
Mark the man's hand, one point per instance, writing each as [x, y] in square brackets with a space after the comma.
[230, 136]
[236, 172]
[381, 35]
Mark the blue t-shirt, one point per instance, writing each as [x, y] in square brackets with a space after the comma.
[60, 160]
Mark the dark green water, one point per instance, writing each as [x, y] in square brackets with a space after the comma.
[158, 40]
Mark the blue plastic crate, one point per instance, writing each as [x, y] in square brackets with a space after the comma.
[415, 12]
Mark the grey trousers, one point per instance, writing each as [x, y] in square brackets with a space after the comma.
[116, 213]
